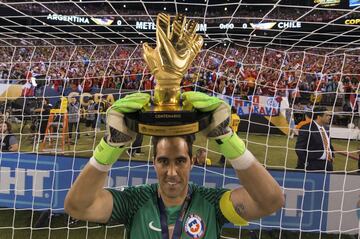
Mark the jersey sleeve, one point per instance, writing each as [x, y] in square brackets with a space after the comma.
[12, 140]
[213, 196]
[128, 201]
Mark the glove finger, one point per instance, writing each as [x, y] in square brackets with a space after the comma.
[149, 56]
[220, 121]
[195, 47]
[166, 49]
[219, 126]
[192, 98]
[138, 96]
[118, 133]
[192, 95]
[131, 103]
[201, 101]
[177, 28]
[197, 44]
[163, 43]
[190, 30]
[127, 107]
[162, 36]
[163, 24]
[141, 99]
[207, 106]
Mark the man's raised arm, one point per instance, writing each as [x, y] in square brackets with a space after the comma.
[87, 198]
[260, 194]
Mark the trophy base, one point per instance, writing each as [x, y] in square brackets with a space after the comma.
[167, 123]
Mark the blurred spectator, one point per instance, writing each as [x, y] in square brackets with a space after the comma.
[235, 120]
[87, 84]
[307, 120]
[7, 139]
[43, 117]
[74, 118]
[200, 158]
[29, 86]
[313, 146]
[101, 108]
[308, 107]
[90, 116]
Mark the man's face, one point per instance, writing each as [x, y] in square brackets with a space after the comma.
[3, 128]
[325, 119]
[172, 165]
[201, 156]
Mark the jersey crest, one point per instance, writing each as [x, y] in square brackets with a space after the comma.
[194, 226]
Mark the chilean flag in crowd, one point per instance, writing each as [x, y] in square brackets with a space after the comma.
[230, 62]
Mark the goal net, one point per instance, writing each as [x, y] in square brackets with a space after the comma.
[63, 63]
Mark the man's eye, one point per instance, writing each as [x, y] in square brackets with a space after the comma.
[181, 161]
[163, 161]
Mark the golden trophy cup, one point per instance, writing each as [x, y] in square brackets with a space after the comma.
[177, 45]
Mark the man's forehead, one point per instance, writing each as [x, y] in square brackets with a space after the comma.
[171, 145]
[176, 141]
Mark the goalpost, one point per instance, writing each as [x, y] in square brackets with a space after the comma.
[272, 62]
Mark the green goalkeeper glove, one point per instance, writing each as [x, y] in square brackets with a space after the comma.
[117, 134]
[231, 146]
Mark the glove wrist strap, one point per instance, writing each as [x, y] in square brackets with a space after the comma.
[98, 166]
[244, 161]
[232, 146]
[106, 154]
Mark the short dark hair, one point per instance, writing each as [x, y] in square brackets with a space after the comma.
[46, 100]
[319, 111]
[189, 139]
[233, 110]
[308, 114]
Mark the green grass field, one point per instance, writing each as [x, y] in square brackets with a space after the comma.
[275, 151]
[19, 226]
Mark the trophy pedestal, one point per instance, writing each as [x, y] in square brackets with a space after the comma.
[159, 121]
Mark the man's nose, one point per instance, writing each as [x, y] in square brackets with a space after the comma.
[172, 170]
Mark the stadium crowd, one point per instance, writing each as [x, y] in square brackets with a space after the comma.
[230, 71]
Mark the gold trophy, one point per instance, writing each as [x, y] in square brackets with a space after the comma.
[177, 45]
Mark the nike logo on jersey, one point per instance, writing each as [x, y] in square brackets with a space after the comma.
[152, 227]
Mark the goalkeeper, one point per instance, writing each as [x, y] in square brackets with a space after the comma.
[173, 208]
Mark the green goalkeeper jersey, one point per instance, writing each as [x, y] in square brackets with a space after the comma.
[137, 208]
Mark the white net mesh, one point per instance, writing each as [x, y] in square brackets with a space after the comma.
[273, 61]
